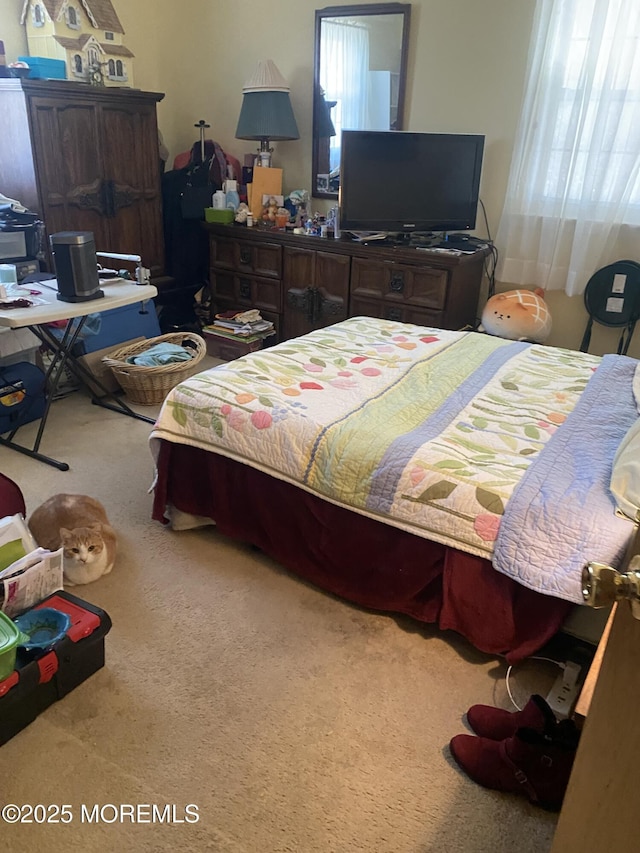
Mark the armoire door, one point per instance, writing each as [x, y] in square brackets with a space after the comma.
[131, 166]
[98, 167]
[67, 146]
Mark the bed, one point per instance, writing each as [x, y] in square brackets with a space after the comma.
[455, 477]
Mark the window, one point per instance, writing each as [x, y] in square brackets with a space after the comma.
[72, 18]
[574, 186]
[77, 63]
[38, 15]
[119, 68]
[112, 68]
[108, 36]
[345, 68]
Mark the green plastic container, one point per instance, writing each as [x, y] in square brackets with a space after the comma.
[10, 639]
[213, 215]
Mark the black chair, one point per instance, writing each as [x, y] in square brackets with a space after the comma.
[612, 298]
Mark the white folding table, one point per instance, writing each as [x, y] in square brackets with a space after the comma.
[47, 309]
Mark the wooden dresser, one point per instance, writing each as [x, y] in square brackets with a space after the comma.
[303, 283]
[86, 158]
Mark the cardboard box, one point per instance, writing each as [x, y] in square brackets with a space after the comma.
[93, 363]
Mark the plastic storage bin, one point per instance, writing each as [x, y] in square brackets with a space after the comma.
[41, 677]
[226, 217]
[41, 67]
[120, 325]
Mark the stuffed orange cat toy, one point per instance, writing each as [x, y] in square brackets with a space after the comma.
[518, 315]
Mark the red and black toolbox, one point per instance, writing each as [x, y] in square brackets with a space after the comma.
[41, 677]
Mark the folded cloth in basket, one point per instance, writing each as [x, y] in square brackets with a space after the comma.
[159, 354]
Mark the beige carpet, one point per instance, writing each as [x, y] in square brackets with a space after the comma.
[292, 720]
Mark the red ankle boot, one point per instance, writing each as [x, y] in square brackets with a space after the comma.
[497, 724]
[528, 763]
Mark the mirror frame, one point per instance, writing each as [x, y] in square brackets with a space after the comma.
[403, 9]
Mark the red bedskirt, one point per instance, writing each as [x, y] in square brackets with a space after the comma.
[362, 560]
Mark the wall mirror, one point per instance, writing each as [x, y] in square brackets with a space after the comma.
[360, 70]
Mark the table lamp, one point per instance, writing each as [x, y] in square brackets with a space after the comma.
[266, 112]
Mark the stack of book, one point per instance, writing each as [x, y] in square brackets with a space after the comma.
[247, 326]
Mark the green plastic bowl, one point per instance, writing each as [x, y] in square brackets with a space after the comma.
[10, 638]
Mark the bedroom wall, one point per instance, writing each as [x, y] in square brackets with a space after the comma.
[467, 65]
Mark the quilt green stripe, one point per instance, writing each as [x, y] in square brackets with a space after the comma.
[349, 451]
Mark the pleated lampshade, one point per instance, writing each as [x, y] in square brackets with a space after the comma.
[266, 112]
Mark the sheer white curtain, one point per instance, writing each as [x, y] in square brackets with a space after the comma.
[574, 186]
[344, 62]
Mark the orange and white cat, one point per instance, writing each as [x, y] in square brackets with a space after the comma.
[79, 525]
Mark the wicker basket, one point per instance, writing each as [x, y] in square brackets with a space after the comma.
[149, 385]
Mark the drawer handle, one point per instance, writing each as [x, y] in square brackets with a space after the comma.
[394, 314]
[397, 283]
[245, 288]
[245, 255]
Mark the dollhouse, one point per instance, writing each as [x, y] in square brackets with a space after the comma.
[85, 34]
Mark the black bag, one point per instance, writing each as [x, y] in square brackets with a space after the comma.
[205, 173]
[22, 397]
[195, 199]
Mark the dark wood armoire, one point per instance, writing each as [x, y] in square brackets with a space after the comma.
[86, 158]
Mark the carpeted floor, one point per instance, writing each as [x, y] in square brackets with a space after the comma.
[292, 720]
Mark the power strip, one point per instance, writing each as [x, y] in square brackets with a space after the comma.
[564, 693]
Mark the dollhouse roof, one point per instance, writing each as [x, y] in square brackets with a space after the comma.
[80, 43]
[100, 12]
[74, 44]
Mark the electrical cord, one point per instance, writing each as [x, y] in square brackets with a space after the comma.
[489, 270]
[506, 679]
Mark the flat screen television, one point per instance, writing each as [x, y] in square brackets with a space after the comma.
[403, 182]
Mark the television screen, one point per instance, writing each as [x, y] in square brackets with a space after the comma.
[399, 181]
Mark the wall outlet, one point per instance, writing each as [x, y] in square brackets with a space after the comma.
[564, 693]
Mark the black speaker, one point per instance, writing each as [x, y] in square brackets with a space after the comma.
[74, 254]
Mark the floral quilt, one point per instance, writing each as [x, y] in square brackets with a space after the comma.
[427, 430]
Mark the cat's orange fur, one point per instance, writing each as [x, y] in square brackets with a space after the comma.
[79, 524]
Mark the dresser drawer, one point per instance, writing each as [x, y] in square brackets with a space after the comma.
[263, 259]
[401, 312]
[417, 285]
[246, 291]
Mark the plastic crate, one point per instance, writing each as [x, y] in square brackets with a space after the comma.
[120, 325]
[41, 67]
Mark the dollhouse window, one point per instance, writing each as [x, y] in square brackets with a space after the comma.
[112, 68]
[77, 63]
[92, 57]
[108, 36]
[119, 68]
[38, 16]
[72, 18]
